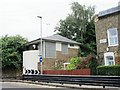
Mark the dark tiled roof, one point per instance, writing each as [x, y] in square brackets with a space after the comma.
[60, 38]
[109, 11]
[55, 38]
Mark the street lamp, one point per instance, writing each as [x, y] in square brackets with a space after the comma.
[40, 49]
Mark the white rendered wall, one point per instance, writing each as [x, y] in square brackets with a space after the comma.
[30, 60]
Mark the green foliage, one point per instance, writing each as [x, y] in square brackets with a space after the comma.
[93, 66]
[89, 62]
[11, 50]
[109, 70]
[73, 63]
[79, 26]
[58, 65]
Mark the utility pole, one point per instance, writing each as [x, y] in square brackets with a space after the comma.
[40, 48]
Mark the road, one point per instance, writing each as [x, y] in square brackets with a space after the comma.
[27, 86]
[23, 85]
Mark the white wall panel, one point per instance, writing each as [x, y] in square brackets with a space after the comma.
[30, 60]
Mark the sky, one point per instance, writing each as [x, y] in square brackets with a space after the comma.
[20, 16]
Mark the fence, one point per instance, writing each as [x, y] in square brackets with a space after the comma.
[80, 80]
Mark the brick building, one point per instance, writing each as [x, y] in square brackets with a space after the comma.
[107, 27]
[57, 50]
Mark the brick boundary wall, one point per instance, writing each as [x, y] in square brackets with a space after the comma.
[68, 72]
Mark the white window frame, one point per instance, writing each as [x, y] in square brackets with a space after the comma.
[58, 46]
[105, 58]
[115, 36]
[65, 64]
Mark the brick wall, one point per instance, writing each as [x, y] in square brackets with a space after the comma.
[56, 63]
[117, 58]
[101, 27]
[68, 72]
[9, 72]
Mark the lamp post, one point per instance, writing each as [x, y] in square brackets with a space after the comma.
[40, 49]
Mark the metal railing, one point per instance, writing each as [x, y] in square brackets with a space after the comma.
[80, 80]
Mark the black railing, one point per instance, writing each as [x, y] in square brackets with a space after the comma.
[80, 80]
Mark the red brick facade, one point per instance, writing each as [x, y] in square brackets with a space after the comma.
[57, 63]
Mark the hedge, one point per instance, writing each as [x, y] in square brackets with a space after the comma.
[109, 70]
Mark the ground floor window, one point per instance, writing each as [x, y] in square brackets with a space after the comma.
[109, 58]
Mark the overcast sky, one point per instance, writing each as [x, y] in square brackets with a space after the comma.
[20, 16]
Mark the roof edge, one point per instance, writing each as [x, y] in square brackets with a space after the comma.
[109, 11]
[44, 39]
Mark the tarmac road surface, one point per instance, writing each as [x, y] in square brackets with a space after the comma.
[28, 86]
[23, 85]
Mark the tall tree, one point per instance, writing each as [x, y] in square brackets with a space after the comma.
[11, 50]
[79, 26]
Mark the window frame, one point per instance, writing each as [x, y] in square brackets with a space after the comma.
[71, 45]
[115, 36]
[107, 54]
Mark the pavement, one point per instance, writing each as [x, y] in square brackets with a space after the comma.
[71, 86]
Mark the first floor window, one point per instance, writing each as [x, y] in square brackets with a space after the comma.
[64, 48]
[112, 37]
[50, 50]
[109, 58]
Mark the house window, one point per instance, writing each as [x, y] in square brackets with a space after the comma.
[71, 45]
[50, 50]
[109, 58]
[64, 48]
[112, 37]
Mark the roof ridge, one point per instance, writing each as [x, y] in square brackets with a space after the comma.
[56, 37]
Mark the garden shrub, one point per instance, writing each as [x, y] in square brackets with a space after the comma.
[109, 70]
[93, 66]
[73, 63]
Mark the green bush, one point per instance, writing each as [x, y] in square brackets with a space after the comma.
[93, 66]
[73, 63]
[109, 70]
[11, 50]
